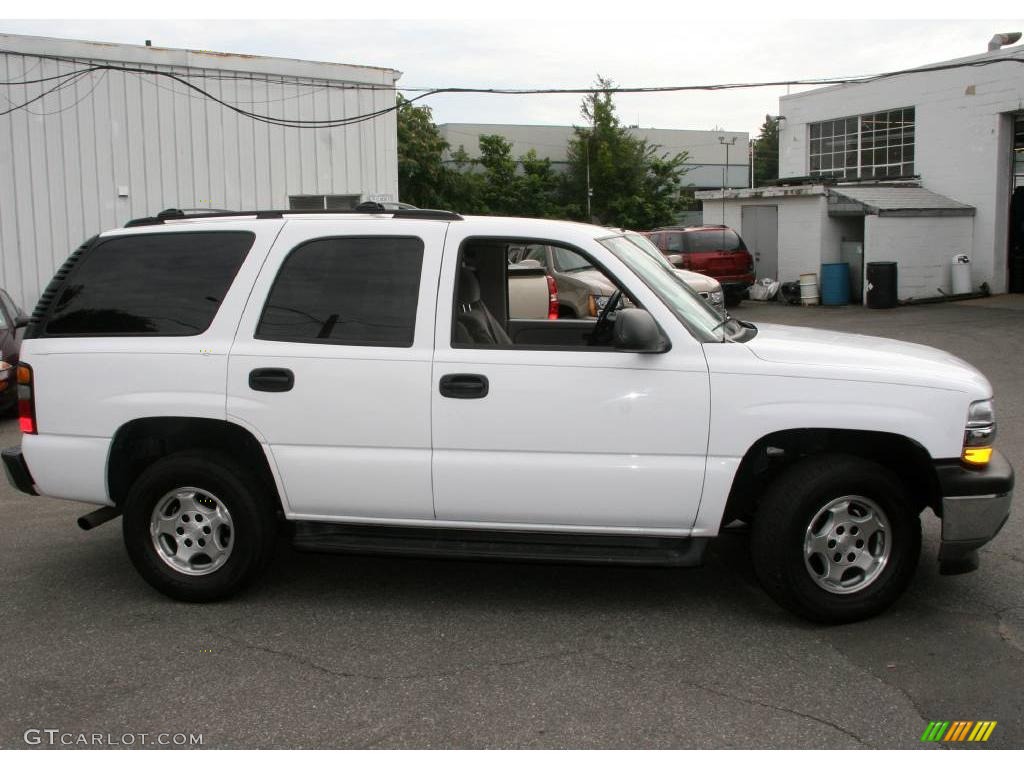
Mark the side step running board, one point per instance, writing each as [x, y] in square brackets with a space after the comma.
[502, 545]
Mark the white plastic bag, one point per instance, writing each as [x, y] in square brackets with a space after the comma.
[764, 289]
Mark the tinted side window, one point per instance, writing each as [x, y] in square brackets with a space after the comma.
[675, 243]
[360, 291]
[161, 285]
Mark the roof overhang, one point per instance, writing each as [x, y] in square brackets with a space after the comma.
[897, 200]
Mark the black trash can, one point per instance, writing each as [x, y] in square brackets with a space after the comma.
[882, 284]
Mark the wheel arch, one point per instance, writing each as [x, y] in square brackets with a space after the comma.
[771, 454]
[137, 444]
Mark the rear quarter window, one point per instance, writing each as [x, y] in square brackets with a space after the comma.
[149, 285]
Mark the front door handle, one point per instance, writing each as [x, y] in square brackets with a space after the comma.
[464, 386]
[271, 379]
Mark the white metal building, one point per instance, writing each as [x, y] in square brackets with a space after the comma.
[913, 168]
[80, 154]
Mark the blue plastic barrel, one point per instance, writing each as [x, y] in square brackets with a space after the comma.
[835, 284]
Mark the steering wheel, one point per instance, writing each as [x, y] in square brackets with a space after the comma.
[603, 329]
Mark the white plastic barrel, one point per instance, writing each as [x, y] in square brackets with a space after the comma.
[961, 277]
[809, 288]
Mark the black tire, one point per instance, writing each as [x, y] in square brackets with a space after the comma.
[733, 300]
[786, 512]
[253, 524]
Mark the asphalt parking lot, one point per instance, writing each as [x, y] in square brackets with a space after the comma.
[355, 652]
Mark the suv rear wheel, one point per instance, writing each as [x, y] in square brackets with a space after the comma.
[198, 526]
[836, 539]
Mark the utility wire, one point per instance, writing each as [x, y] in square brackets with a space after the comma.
[282, 121]
[423, 93]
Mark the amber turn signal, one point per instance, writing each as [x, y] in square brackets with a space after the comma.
[977, 457]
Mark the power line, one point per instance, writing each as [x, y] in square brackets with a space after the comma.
[422, 93]
[281, 121]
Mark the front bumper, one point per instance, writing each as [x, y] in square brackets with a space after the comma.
[17, 470]
[975, 506]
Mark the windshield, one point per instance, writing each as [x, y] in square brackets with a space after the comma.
[570, 261]
[659, 276]
[642, 242]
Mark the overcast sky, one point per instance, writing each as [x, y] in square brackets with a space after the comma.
[561, 53]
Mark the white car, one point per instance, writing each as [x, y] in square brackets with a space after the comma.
[358, 376]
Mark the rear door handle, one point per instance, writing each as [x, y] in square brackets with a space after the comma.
[271, 379]
[464, 386]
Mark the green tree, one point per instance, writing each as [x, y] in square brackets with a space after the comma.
[766, 151]
[632, 183]
[497, 184]
[423, 178]
[539, 188]
[466, 188]
[500, 189]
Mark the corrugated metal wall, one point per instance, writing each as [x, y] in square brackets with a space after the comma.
[112, 146]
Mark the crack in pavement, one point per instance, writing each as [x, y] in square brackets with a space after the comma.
[914, 706]
[345, 674]
[736, 697]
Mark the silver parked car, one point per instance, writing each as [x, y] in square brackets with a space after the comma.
[583, 290]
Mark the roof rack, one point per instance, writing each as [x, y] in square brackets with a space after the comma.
[172, 214]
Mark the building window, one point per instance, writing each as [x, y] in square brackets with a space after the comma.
[872, 146]
[322, 202]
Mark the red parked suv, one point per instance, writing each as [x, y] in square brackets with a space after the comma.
[714, 250]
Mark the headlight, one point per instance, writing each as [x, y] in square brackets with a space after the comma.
[715, 297]
[979, 434]
[601, 302]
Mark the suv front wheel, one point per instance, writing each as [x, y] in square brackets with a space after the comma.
[198, 526]
[836, 539]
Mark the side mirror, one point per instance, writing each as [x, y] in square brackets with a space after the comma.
[635, 330]
[21, 321]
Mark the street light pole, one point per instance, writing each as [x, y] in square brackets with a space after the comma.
[725, 171]
[590, 192]
[753, 152]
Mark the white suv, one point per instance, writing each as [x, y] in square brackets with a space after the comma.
[355, 382]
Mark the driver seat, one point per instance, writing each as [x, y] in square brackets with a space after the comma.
[475, 323]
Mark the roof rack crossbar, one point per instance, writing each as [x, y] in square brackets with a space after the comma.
[173, 214]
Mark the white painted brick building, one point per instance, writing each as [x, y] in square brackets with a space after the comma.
[950, 136]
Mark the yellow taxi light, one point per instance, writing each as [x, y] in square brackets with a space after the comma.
[977, 456]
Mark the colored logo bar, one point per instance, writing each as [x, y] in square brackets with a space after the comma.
[958, 730]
